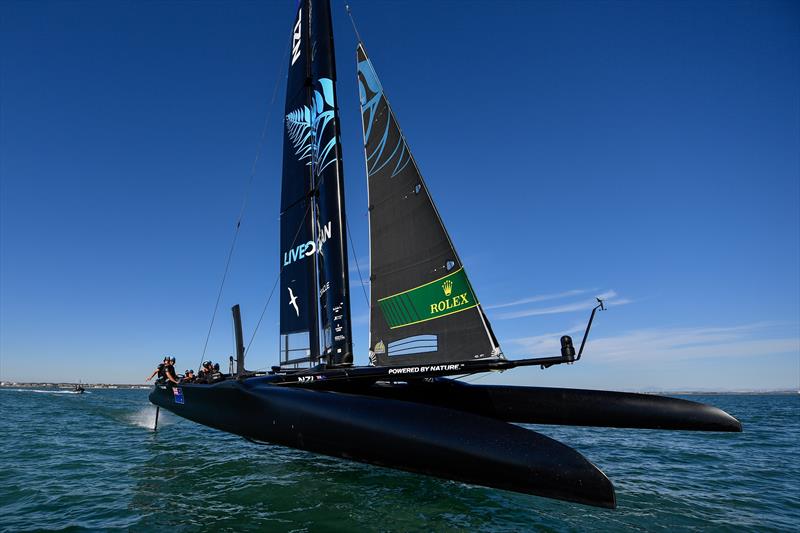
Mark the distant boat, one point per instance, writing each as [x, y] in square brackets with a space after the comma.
[426, 323]
[78, 389]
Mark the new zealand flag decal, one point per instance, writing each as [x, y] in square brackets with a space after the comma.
[178, 394]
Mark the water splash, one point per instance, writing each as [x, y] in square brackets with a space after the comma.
[146, 418]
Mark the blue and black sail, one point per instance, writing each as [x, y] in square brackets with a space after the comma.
[423, 307]
[314, 270]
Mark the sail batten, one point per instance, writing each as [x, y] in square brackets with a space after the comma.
[419, 287]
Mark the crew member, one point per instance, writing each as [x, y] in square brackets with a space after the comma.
[159, 369]
[188, 376]
[205, 373]
[214, 374]
[169, 371]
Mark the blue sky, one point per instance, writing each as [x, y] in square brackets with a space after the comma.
[647, 151]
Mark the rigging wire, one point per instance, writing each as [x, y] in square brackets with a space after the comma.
[352, 21]
[355, 258]
[248, 190]
[275, 283]
[480, 376]
[349, 233]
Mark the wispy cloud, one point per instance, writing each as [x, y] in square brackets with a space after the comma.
[355, 281]
[359, 271]
[541, 298]
[673, 343]
[610, 296]
[360, 319]
[359, 263]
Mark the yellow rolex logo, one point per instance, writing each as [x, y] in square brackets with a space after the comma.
[447, 287]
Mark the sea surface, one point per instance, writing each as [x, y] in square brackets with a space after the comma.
[92, 462]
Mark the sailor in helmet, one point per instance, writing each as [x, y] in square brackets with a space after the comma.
[169, 371]
[159, 370]
[204, 373]
[188, 376]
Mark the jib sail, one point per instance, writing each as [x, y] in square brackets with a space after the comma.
[423, 307]
[314, 275]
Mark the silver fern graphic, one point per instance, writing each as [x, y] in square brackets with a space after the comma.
[298, 124]
[308, 130]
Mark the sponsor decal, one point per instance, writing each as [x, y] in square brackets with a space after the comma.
[309, 379]
[177, 395]
[293, 301]
[429, 368]
[324, 288]
[297, 33]
[309, 248]
[438, 298]
[380, 348]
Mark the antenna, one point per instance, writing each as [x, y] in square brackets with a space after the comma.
[567, 349]
[600, 305]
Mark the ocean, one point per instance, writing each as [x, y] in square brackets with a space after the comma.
[92, 462]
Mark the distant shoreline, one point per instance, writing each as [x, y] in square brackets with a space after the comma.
[50, 385]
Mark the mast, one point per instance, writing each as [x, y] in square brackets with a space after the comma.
[334, 279]
[313, 224]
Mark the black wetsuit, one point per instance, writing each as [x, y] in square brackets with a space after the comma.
[169, 370]
[161, 375]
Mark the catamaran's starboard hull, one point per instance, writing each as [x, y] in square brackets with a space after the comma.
[566, 407]
[408, 436]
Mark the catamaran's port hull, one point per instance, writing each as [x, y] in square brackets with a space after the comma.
[415, 437]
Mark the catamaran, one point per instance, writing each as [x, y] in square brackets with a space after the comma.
[426, 323]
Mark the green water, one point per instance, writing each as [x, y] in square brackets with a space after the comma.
[91, 462]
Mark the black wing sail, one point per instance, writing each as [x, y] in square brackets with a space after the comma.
[423, 307]
[314, 279]
[298, 297]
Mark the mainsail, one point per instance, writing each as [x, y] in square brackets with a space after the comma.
[423, 307]
[314, 271]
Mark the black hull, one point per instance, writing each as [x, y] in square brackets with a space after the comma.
[566, 407]
[409, 436]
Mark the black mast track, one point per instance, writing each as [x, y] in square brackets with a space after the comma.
[328, 172]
